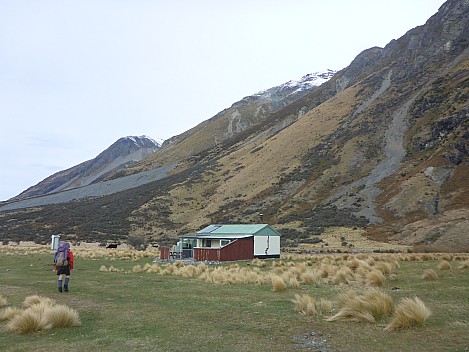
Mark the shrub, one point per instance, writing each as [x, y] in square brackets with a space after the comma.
[409, 313]
[139, 243]
[429, 274]
[3, 301]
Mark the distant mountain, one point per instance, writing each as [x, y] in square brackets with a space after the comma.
[123, 153]
[382, 145]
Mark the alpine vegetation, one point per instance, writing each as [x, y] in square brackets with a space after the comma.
[409, 313]
[305, 304]
[369, 307]
[429, 274]
[28, 322]
[40, 314]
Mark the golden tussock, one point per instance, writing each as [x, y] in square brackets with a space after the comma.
[409, 313]
[62, 316]
[375, 278]
[278, 285]
[429, 274]
[9, 313]
[28, 322]
[40, 313]
[373, 305]
[305, 304]
[38, 300]
[444, 265]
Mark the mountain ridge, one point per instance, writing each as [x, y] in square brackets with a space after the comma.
[121, 154]
[382, 145]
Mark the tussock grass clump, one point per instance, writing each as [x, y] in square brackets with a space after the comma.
[293, 282]
[373, 305]
[464, 265]
[62, 316]
[137, 268]
[33, 300]
[111, 269]
[40, 313]
[9, 313]
[375, 278]
[323, 306]
[28, 322]
[444, 265]
[278, 285]
[310, 277]
[168, 269]
[3, 301]
[305, 304]
[343, 276]
[384, 267]
[429, 274]
[379, 303]
[409, 313]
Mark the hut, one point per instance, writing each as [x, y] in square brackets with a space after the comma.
[235, 242]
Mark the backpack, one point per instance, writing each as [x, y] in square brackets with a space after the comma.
[61, 256]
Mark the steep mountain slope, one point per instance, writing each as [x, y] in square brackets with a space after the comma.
[250, 111]
[382, 144]
[121, 154]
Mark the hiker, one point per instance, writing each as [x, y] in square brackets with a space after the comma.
[63, 260]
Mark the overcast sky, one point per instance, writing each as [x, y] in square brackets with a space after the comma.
[77, 75]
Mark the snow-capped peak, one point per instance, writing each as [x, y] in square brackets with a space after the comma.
[142, 140]
[306, 82]
[311, 80]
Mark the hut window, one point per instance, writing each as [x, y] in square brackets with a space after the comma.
[224, 242]
[206, 243]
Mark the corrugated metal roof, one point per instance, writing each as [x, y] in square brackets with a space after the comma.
[236, 229]
[239, 229]
[219, 236]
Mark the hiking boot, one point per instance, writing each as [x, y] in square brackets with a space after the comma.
[66, 288]
[60, 289]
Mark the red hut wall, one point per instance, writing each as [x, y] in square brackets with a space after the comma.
[240, 249]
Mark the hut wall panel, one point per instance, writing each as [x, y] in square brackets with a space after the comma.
[241, 249]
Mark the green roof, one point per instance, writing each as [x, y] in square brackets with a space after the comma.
[238, 229]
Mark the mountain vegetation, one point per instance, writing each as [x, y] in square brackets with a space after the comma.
[382, 145]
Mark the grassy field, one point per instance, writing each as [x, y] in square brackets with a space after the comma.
[189, 309]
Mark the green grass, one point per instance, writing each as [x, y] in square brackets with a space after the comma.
[123, 311]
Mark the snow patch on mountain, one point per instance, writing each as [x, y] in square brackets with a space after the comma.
[306, 82]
